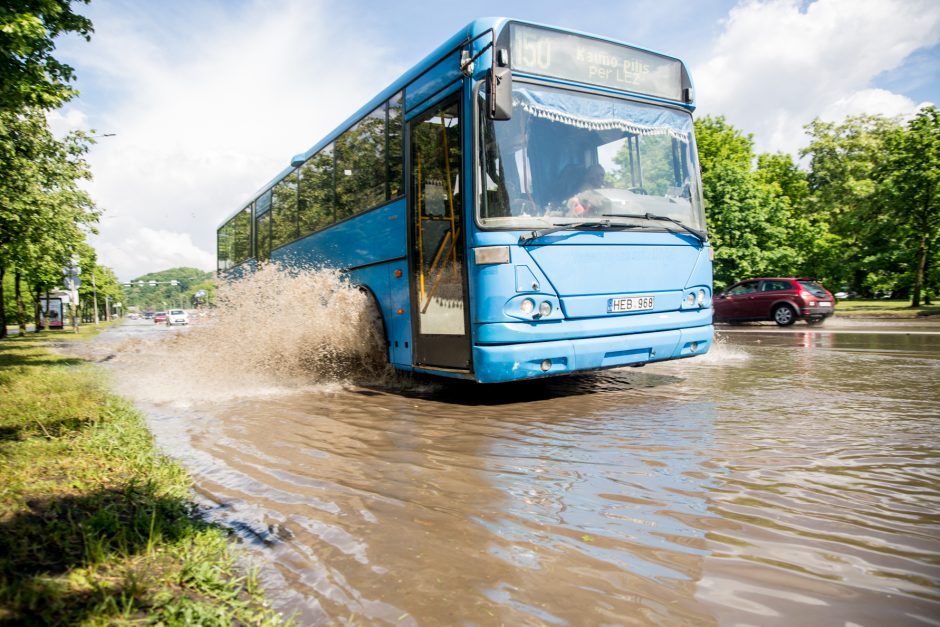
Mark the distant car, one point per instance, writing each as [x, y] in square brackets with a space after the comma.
[159, 317]
[148, 315]
[783, 300]
[841, 295]
[177, 316]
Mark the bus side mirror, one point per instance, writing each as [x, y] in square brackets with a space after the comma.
[499, 94]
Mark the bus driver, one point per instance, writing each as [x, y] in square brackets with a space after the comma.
[588, 201]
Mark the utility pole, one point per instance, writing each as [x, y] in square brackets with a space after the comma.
[94, 296]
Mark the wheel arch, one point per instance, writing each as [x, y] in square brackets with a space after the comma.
[379, 316]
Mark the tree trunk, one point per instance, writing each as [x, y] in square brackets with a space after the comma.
[37, 311]
[921, 261]
[919, 274]
[927, 274]
[3, 312]
[20, 305]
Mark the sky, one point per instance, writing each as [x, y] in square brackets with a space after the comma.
[206, 100]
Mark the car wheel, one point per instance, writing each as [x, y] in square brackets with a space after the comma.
[784, 315]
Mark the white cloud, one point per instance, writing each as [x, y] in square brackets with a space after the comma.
[206, 109]
[869, 101]
[63, 122]
[778, 64]
[155, 249]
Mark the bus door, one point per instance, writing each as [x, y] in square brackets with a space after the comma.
[439, 286]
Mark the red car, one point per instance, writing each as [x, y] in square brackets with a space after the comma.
[159, 317]
[783, 300]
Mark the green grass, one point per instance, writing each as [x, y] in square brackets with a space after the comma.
[884, 309]
[86, 331]
[96, 526]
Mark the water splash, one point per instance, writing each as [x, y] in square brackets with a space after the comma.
[275, 329]
[722, 352]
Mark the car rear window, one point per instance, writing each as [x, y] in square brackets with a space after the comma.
[813, 288]
[176, 312]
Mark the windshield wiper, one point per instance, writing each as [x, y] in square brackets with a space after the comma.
[528, 237]
[701, 235]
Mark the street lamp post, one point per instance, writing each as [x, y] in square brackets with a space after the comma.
[94, 296]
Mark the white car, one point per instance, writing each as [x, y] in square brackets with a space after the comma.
[176, 316]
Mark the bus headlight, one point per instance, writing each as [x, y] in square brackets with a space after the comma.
[690, 299]
[700, 299]
[527, 306]
[545, 309]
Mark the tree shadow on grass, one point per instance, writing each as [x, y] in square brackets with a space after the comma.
[56, 535]
[55, 428]
[10, 360]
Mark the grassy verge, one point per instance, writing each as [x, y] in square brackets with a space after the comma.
[884, 309]
[96, 526]
[86, 330]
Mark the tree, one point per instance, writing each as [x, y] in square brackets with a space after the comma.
[909, 190]
[44, 215]
[30, 77]
[843, 158]
[750, 218]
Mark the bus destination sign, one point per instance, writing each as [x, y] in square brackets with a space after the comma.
[586, 60]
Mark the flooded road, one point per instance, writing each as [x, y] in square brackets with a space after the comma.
[790, 476]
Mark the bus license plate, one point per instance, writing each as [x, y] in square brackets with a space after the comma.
[629, 303]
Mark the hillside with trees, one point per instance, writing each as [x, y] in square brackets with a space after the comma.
[175, 287]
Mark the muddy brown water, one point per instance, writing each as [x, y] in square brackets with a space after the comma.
[791, 476]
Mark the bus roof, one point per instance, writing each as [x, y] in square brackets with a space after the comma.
[472, 30]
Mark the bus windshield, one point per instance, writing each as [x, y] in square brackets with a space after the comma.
[571, 157]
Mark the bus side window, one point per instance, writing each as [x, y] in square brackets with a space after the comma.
[263, 227]
[316, 192]
[263, 230]
[284, 211]
[360, 165]
[224, 248]
[395, 154]
[241, 236]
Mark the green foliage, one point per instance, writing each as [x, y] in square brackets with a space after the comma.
[908, 194]
[843, 157]
[29, 75]
[44, 213]
[751, 218]
[865, 216]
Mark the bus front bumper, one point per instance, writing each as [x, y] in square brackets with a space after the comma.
[510, 362]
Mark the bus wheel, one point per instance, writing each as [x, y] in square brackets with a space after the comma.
[784, 315]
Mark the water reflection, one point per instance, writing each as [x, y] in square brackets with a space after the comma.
[784, 477]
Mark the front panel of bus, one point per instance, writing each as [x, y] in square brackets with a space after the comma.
[587, 244]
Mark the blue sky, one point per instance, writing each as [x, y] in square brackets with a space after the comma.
[209, 99]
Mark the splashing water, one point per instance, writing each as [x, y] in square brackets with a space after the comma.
[273, 329]
[722, 352]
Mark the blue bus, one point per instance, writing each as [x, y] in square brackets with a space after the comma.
[524, 202]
